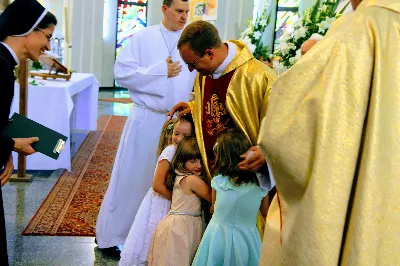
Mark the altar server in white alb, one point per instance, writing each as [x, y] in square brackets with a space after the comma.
[150, 67]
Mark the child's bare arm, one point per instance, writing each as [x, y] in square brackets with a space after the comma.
[264, 206]
[159, 179]
[198, 186]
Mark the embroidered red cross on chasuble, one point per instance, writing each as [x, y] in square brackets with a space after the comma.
[215, 115]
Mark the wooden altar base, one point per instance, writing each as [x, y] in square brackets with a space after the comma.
[16, 178]
[45, 76]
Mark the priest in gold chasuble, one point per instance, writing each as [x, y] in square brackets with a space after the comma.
[331, 139]
[231, 90]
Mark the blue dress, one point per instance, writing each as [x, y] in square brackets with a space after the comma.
[231, 237]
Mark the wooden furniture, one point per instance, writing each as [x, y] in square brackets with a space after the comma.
[23, 73]
[60, 71]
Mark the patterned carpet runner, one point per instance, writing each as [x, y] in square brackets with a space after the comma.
[72, 205]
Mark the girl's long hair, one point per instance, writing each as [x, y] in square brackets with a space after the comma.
[166, 136]
[167, 130]
[228, 148]
[187, 150]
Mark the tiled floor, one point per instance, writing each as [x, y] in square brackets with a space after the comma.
[21, 201]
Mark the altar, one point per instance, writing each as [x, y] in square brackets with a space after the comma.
[63, 106]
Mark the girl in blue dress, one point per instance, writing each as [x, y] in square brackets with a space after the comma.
[231, 237]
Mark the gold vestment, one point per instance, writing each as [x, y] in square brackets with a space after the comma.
[332, 140]
[246, 99]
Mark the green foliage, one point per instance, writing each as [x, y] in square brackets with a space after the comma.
[252, 36]
[37, 65]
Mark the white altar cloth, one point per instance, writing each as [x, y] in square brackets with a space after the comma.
[51, 104]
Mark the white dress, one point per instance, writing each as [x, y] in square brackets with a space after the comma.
[141, 68]
[153, 209]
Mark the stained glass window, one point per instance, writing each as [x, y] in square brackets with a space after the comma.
[132, 17]
[122, 109]
[286, 11]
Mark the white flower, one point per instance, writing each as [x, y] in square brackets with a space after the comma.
[326, 24]
[298, 23]
[263, 23]
[249, 45]
[257, 35]
[285, 48]
[298, 55]
[292, 60]
[286, 35]
[295, 58]
[283, 39]
[279, 67]
[246, 32]
[300, 33]
[289, 30]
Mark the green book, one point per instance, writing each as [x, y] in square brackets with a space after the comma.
[50, 143]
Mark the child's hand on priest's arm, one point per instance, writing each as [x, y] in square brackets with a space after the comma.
[23, 145]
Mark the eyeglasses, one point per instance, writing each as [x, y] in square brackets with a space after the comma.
[49, 38]
[191, 66]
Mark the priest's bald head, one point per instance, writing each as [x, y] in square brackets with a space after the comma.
[27, 27]
[307, 45]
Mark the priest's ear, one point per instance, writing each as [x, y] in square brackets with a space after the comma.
[210, 53]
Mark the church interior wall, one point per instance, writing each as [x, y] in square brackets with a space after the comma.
[91, 30]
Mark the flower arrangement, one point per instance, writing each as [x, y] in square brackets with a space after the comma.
[252, 36]
[316, 20]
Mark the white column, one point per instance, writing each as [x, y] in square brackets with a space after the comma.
[109, 40]
[154, 12]
[233, 16]
[268, 37]
[87, 37]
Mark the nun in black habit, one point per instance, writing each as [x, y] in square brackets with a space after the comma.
[26, 29]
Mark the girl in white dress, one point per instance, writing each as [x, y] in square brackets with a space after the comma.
[156, 204]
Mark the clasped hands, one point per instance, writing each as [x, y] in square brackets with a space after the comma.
[253, 159]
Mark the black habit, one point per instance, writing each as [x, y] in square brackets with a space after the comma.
[19, 19]
[7, 65]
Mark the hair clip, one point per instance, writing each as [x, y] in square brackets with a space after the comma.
[170, 127]
[215, 146]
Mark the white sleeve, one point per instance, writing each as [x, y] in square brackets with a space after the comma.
[167, 154]
[129, 73]
[266, 182]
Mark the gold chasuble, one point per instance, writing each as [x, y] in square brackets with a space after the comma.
[332, 140]
[246, 100]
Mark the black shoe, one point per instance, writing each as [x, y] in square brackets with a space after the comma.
[114, 252]
[95, 241]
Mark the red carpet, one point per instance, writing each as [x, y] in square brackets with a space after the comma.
[72, 205]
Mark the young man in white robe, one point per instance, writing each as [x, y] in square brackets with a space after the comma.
[150, 67]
